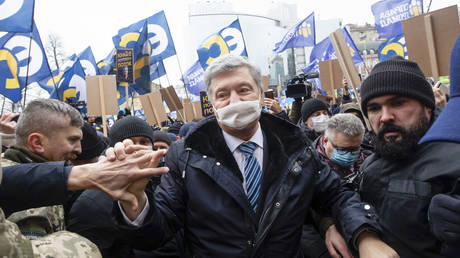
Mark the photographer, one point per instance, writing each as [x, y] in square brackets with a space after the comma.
[299, 89]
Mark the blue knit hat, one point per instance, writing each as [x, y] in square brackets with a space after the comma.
[445, 128]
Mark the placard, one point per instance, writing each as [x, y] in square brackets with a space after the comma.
[345, 60]
[101, 88]
[124, 61]
[154, 110]
[331, 76]
[170, 97]
[206, 107]
[430, 38]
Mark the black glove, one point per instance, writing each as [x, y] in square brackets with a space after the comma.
[444, 215]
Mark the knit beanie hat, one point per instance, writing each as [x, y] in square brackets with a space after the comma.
[127, 127]
[397, 76]
[92, 145]
[311, 106]
[159, 136]
[174, 128]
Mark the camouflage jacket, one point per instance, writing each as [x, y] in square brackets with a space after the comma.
[35, 222]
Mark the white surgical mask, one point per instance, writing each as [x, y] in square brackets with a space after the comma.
[320, 123]
[238, 115]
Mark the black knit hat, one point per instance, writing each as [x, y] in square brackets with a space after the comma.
[175, 127]
[127, 127]
[397, 76]
[159, 136]
[311, 106]
[92, 145]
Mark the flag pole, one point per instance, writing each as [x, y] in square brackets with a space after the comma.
[28, 62]
[178, 63]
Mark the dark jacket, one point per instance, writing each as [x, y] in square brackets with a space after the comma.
[401, 193]
[203, 193]
[91, 217]
[33, 185]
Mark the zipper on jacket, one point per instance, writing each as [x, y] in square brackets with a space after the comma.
[188, 150]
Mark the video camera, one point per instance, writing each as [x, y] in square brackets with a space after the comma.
[299, 86]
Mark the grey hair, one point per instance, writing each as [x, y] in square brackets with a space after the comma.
[228, 63]
[46, 116]
[347, 124]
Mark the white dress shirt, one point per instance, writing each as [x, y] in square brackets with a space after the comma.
[232, 143]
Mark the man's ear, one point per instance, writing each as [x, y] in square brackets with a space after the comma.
[36, 142]
[325, 140]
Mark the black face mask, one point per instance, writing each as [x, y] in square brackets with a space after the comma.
[393, 149]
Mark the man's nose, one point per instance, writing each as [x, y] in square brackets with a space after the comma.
[234, 97]
[77, 148]
[387, 115]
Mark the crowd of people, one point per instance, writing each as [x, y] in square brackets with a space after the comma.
[379, 178]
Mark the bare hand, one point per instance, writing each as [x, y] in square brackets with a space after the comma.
[370, 246]
[439, 97]
[120, 179]
[335, 244]
[8, 126]
[273, 105]
[120, 149]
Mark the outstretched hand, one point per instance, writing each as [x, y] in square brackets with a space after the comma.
[122, 179]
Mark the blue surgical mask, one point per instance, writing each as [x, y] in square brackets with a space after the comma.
[344, 158]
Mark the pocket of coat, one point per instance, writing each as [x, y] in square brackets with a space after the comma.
[410, 188]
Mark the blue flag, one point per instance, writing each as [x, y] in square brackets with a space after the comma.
[159, 36]
[106, 65]
[193, 79]
[16, 15]
[388, 15]
[88, 62]
[393, 47]
[17, 67]
[135, 37]
[228, 40]
[325, 51]
[49, 83]
[157, 70]
[301, 35]
[71, 85]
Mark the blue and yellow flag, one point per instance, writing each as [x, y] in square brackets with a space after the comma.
[393, 47]
[16, 15]
[135, 37]
[72, 84]
[228, 40]
[106, 65]
[17, 67]
[88, 62]
[301, 35]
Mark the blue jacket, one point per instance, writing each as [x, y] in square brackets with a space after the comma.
[33, 185]
[203, 194]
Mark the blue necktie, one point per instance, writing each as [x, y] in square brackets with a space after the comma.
[252, 172]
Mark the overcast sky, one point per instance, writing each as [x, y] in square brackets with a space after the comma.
[82, 23]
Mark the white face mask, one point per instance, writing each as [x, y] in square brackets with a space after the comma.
[320, 123]
[238, 115]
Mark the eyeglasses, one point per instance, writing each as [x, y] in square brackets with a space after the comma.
[346, 149]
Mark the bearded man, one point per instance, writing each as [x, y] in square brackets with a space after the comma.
[401, 178]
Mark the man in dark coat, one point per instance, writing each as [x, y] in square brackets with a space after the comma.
[241, 183]
[401, 177]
